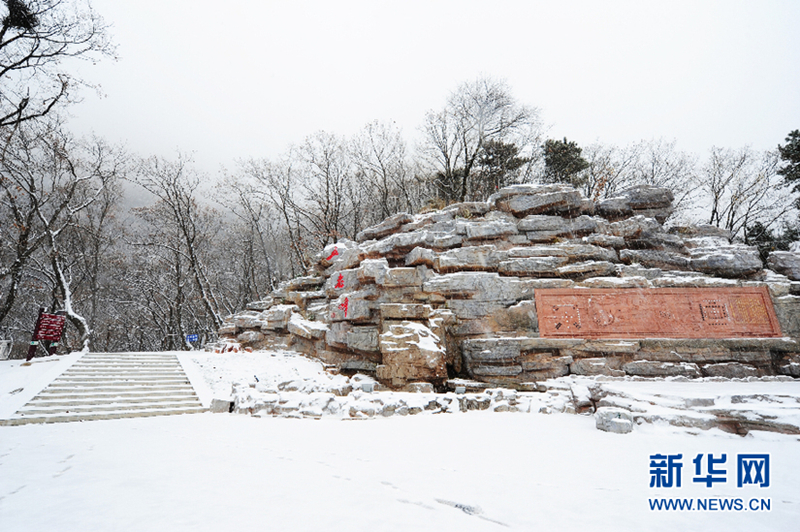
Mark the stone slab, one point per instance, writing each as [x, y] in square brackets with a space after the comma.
[405, 311]
[657, 313]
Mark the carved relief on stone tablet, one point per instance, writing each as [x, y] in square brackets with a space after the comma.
[600, 314]
[656, 313]
[714, 312]
[747, 309]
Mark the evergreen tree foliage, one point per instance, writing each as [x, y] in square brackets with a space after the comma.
[498, 165]
[790, 154]
[563, 162]
[768, 241]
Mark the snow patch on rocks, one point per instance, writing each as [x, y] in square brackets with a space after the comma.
[285, 384]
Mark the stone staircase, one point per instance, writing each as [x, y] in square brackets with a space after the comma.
[113, 386]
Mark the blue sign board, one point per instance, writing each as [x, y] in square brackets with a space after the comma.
[191, 337]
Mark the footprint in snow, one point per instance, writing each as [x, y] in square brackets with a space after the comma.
[469, 510]
[62, 472]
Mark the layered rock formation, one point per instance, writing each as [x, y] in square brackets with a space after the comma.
[453, 292]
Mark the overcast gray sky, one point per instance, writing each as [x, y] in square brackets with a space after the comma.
[240, 79]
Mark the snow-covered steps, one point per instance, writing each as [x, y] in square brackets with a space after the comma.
[113, 386]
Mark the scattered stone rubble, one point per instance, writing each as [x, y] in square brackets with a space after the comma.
[451, 293]
[614, 409]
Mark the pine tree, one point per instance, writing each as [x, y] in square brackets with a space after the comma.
[498, 165]
[563, 161]
[790, 154]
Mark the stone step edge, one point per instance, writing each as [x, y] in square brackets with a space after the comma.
[145, 380]
[112, 386]
[133, 367]
[121, 407]
[110, 395]
[118, 387]
[138, 360]
[45, 403]
[99, 417]
[131, 354]
[124, 363]
[129, 373]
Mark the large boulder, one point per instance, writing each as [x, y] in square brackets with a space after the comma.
[650, 201]
[589, 268]
[728, 261]
[571, 252]
[278, 316]
[648, 258]
[390, 225]
[643, 197]
[399, 244]
[596, 366]
[786, 263]
[730, 370]
[490, 229]
[613, 419]
[649, 368]
[472, 258]
[480, 286]
[787, 308]
[342, 255]
[533, 266]
[634, 227]
[544, 228]
[299, 284]
[363, 339]
[310, 330]
[411, 352]
[341, 282]
[522, 200]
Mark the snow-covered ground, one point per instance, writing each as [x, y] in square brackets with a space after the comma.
[477, 470]
[20, 382]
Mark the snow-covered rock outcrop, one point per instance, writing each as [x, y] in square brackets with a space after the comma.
[452, 292]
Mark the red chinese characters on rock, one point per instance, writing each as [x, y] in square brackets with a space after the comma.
[657, 313]
[335, 252]
[343, 306]
[340, 282]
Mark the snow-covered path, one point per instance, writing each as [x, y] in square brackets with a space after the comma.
[476, 471]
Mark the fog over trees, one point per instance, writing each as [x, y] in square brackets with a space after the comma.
[203, 246]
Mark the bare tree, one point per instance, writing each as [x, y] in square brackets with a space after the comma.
[261, 251]
[49, 180]
[332, 197]
[36, 36]
[655, 162]
[659, 163]
[175, 185]
[741, 188]
[476, 113]
[316, 193]
[610, 169]
[379, 155]
[279, 185]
